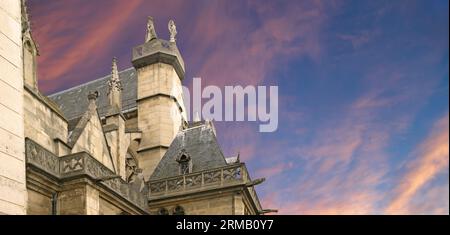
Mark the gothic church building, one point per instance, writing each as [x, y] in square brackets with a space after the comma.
[117, 145]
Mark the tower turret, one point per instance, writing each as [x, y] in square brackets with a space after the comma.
[161, 111]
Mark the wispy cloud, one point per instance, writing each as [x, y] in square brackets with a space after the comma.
[361, 38]
[64, 49]
[236, 50]
[431, 158]
[274, 170]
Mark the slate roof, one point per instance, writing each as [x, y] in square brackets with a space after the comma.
[73, 102]
[200, 144]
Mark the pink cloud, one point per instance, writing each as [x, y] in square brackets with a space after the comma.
[432, 158]
[270, 172]
[71, 41]
[343, 165]
[433, 201]
[245, 55]
[355, 203]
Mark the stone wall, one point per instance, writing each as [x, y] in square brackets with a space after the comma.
[118, 141]
[230, 203]
[222, 205]
[39, 203]
[108, 208]
[131, 123]
[93, 141]
[160, 109]
[12, 162]
[42, 124]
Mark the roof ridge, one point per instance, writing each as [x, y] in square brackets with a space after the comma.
[87, 83]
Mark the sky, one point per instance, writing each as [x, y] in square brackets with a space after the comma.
[363, 88]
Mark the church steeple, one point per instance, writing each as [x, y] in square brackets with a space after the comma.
[115, 88]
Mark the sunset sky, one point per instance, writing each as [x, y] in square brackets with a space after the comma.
[363, 88]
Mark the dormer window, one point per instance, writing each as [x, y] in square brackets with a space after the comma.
[185, 163]
[29, 64]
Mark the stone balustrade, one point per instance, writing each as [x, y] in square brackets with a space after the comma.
[78, 165]
[225, 176]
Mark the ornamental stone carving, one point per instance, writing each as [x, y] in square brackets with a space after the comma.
[80, 164]
[172, 31]
[151, 32]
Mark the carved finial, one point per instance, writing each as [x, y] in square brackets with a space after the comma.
[151, 32]
[115, 88]
[172, 30]
[114, 71]
[93, 95]
[114, 83]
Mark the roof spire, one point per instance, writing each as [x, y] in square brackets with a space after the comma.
[114, 70]
[115, 88]
[114, 83]
[151, 32]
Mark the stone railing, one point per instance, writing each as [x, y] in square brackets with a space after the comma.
[80, 164]
[224, 176]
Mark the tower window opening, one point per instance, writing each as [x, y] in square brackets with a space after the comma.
[185, 163]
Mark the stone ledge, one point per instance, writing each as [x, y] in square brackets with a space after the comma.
[158, 57]
[80, 165]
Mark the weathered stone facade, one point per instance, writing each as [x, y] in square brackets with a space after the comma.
[118, 145]
[13, 195]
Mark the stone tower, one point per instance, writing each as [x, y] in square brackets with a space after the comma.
[14, 27]
[161, 111]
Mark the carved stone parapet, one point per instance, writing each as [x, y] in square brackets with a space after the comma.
[80, 165]
[235, 174]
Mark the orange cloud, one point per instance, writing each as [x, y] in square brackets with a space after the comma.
[342, 167]
[353, 204]
[433, 157]
[63, 52]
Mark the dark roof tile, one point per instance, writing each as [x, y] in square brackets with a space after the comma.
[73, 102]
[200, 144]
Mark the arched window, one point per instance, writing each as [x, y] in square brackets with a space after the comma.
[185, 163]
[178, 210]
[29, 67]
[163, 211]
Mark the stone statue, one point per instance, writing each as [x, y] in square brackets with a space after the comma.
[172, 30]
[151, 33]
[130, 168]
